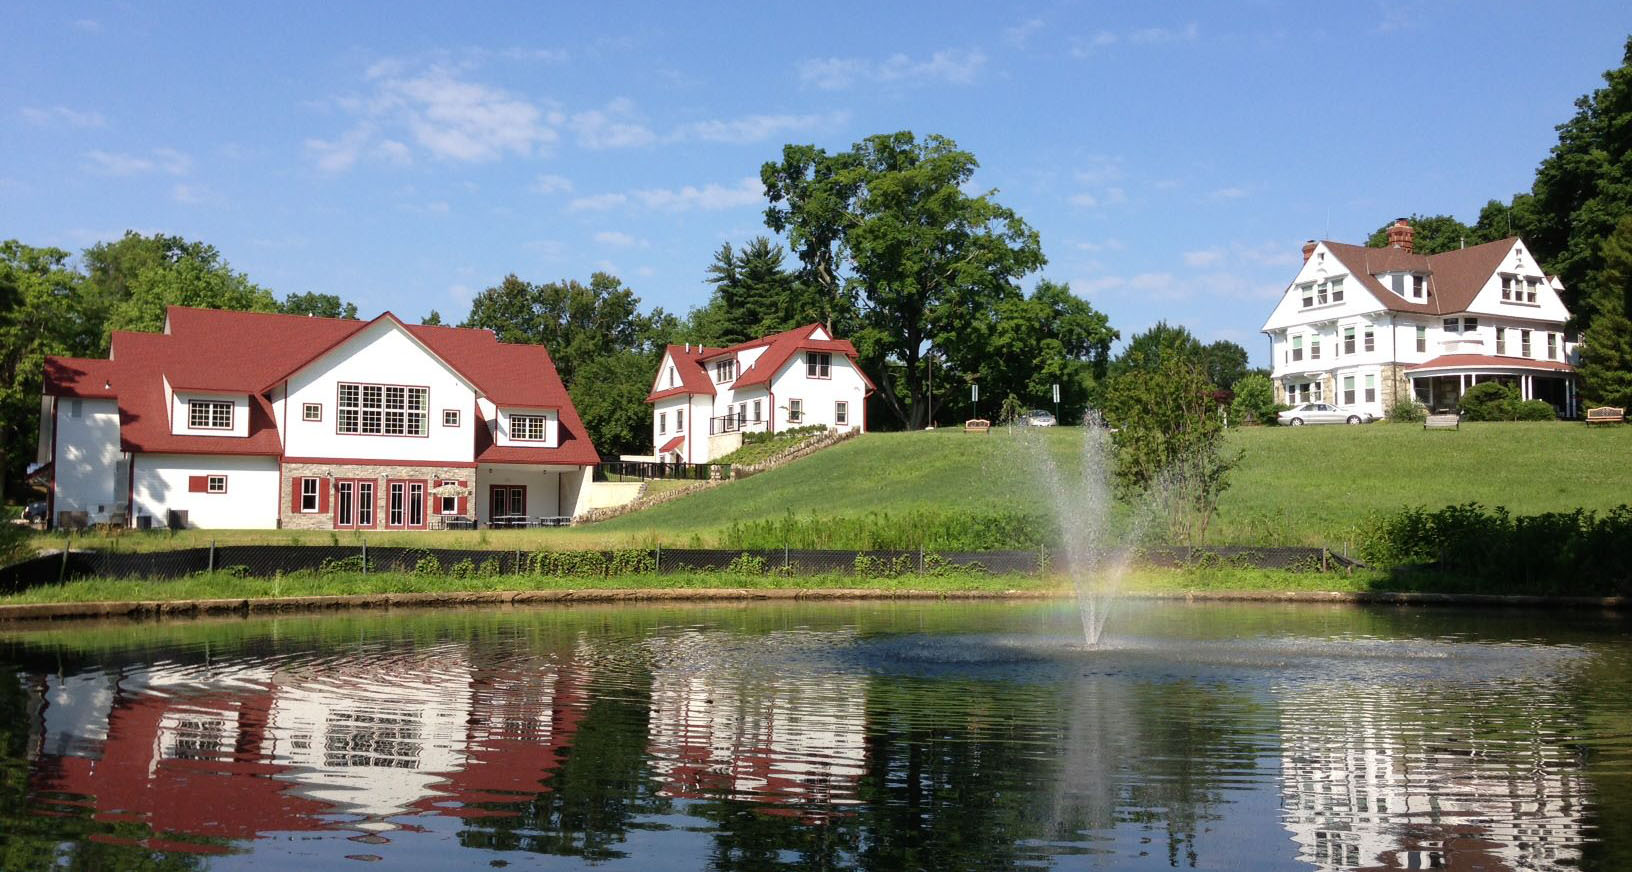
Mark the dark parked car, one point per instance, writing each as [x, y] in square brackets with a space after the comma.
[34, 513]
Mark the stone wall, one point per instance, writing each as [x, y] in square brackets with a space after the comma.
[293, 472]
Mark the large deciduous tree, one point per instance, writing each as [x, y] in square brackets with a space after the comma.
[1051, 337]
[1432, 234]
[889, 225]
[318, 306]
[42, 312]
[1606, 347]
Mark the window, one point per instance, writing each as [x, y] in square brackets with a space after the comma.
[841, 413]
[1422, 340]
[756, 410]
[1453, 325]
[1552, 346]
[447, 504]
[209, 414]
[1348, 340]
[216, 484]
[662, 422]
[1524, 343]
[536, 428]
[450, 417]
[796, 411]
[1519, 290]
[1308, 292]
[1348, 390]
[416, 504]
[1419, 287]
[308, 494]
[1507, 289]
[818, 364]
[311, 412]
[1530, 286]
[725, 370]
[671, 376]
[1297, 347]
[1317, 390]
[1470, 325]
[1501, 340]
[393, 514]
[1371, 389]
[76, 408]
[365, 503]
[1314, 348]
[1397, 281]
[388, 410]
[679, 420]
[1371, 340]
[1337, 290]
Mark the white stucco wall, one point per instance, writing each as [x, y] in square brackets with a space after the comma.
[501, 432]
[381, 354]
[543, 490]
[819, 395]
[251, 501]
[87, 458]
[180, 420]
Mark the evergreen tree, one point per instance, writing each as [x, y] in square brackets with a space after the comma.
[1606, 347]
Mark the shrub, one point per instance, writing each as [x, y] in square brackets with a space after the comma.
[747, 564]
[337, 566]
[1489, 401]
[1534, 410]
[913, 529]
[1407, 411]
[1254, 401]
[427, 565]
[465, 568]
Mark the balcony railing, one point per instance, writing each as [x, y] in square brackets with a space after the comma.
[734, 424]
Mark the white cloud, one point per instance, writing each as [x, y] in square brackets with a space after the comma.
[394, 152]
[1204, 257]
[612, 127]
[1083, 47]
[1230, 193]
[949, 66]
[756, 128]
[1105, 245]
[1085, 200]
[1099, 169]
[708, 198]
[618, 239]
[1160, 35]
[89, 25]
[159, 160]
[549, 249]
[1112, 196]
[645, 272]
[1020, 34]
[193, 195]
[547, 183]
[61, 115]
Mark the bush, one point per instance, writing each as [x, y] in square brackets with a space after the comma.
[1407, 412]
[1534, 410]
[1254, 401]
[1489, 401]
[918, 528]
[747, 564]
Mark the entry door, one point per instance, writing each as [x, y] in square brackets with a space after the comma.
[506, 499]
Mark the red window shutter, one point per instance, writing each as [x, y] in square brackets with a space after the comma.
[294, 494]
[198, 484]
[464, 501]
[322, 496]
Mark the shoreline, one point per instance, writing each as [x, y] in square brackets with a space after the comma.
[187, 608]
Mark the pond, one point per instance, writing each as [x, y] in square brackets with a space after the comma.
[937, 736]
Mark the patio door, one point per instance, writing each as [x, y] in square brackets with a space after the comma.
[354, 503]
[506, 499]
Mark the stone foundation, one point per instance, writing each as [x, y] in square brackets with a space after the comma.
[293, 472]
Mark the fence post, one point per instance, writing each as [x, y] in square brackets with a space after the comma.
[784, 556]
[657, 563]
[67, 546]
[365, 556]
[920, 559]
[211, 566]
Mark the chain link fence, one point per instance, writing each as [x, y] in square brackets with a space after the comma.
[261, 561]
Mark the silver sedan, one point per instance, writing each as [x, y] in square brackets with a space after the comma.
[1322, 413]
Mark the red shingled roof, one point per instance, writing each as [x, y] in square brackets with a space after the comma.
[1454, 277]
[1457, 361]
[249, 352]
[688, 366]
[690, 362]
[672, 444]
[784, 346]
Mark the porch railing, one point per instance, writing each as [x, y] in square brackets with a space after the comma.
[735, 424]
[637, 470]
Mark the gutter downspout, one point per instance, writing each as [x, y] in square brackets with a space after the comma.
[51, 494]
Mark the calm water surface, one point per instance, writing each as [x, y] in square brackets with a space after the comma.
[908, 736]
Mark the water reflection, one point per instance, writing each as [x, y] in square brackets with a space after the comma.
[881, 738]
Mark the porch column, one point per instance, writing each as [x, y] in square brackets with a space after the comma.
[1525, 388]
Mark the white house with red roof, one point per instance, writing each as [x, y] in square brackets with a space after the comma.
[704, 399]
[254, 420]
[1365, 328]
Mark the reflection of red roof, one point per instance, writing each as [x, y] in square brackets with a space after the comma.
[672, 444]
[245, 353]
[1461, 361]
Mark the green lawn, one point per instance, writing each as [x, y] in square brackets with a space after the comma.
[1308, 485]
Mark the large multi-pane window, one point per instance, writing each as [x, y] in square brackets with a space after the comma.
[725, 370]
[209, 414]
[818, 364]
[536, 428]
[386, 410]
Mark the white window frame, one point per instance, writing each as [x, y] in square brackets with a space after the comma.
[1370, 340]
[1524, 343]
[450, 417]
[819, 364]
[796, 410]
[1501, 340]
[1422, 339]
[208, 414]
[662, 423]
[368, 409]
[679, 420]
[309, 500]
[725, 370]
[841, 413]
[311, 412]
[215, 484]
[530, 428]
[1371, 388]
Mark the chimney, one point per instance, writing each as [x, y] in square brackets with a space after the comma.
[1308, 250]
[1399, 235]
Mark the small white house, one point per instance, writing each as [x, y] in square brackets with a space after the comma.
[704, 399]
[253, 420]
[1366, 328]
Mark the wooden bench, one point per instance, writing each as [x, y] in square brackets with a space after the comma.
[1447, 421]
[977, 425]
[1606, 415]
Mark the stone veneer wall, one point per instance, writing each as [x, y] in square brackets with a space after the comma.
[1393, 386]
[292, 472]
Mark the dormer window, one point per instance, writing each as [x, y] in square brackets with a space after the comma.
[725, 370]
[1322, 293]
[818, 364]
[1518, 289]
[209, 414]
[1419, 287]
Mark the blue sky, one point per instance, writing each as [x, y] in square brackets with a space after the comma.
[1173, 156]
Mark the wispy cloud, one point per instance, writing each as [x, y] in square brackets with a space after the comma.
[159, 160]
[619, 239]
[709, 197]
[61, 115]
[1229, 193]
[548, 183]
[194, 195]
[757, 128]
[617, 125]
[1089, 46]
[1111, 196]
[1019, 35]
[949, 66]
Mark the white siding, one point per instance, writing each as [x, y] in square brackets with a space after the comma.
[251, 501]
[819, 396]
[180, 423]
[501, 434]
[382, 354]
[87, 462]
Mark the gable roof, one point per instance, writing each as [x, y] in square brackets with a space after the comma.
[250, 352]
[784, 346]
[690, 362]
[689, 367]
[1454, 277]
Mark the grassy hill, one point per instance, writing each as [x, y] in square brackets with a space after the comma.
[1293, 486]
[1309, 485]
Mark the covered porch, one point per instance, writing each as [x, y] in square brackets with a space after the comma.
[1440, 383]
[527, 495]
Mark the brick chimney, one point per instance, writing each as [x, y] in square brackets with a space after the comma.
[1308, 250]
[1399, 234]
